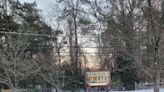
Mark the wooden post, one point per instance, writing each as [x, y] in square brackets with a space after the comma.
[106, 87]
[88, 88]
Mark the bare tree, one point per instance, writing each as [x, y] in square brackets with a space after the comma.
[16, 63]
[131, 25]
[155, 32]
[50, 70]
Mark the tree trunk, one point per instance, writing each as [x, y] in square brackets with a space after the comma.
[71, 42]
[72, 90]
[157, 81]
[14, 89]
[56, 89]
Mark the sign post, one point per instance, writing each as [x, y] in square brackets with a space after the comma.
[97, 79]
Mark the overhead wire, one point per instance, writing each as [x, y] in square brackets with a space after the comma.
[46, 46]
[45, 35]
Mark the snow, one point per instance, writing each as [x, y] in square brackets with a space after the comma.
[145, 90]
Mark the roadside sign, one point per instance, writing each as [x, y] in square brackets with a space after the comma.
[97, 78]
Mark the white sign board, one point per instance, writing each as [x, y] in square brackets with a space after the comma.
[98, 78]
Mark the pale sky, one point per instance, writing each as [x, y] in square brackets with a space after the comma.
[44, 5]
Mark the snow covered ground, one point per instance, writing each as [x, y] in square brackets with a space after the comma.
[145, 90]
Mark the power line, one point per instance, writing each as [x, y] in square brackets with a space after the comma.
[88, 53]
[44, 35]
[87, 47]
[60, 49]
[28, 34]
[44, 45]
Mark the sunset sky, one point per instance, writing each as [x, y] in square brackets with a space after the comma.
[45, 6]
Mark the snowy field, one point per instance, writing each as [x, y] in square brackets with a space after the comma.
[143, 90]
[146, 90]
